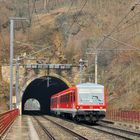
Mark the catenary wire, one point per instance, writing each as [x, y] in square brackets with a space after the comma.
[116, 27]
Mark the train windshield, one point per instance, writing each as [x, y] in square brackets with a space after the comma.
[91, 96]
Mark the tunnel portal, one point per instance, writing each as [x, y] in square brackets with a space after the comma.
[41, 89]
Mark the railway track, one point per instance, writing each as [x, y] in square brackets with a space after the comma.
[67, 130]
[101, 127]
[105, 128]
[51, 137]
[121, 133]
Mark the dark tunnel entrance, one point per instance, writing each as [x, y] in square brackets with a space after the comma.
[40, 90]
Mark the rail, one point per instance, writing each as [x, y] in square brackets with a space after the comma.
[120, 133]
[6, 119]
[124, 116]
[51, 137]
[78, 136]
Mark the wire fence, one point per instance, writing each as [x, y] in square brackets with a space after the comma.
[124, 116]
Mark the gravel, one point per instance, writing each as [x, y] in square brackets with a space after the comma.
[57, 132]
[84, 131]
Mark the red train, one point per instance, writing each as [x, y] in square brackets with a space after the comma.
[85, 101]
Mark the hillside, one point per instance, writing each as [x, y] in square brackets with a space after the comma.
[70, 28]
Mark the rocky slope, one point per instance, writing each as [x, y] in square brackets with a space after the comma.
[70, 28]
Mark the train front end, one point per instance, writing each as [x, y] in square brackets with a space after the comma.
[91, 102]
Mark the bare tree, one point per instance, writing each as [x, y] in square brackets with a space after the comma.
[45, 4]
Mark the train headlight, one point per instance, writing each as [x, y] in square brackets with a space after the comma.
[77, 107]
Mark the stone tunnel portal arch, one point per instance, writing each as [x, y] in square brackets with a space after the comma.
[41, 89]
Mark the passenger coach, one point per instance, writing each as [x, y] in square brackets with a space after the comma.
[85, 101]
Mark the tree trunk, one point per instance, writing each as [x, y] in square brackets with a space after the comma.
[0, 72]
[45, 4]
